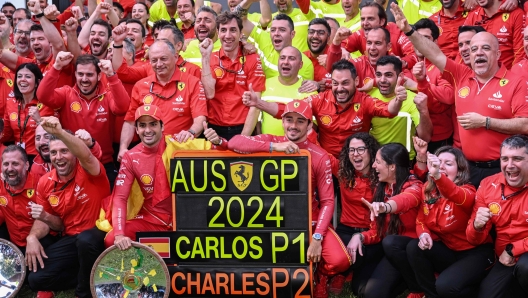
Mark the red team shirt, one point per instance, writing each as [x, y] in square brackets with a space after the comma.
[178, 112]
[132, 74]
[503, 97]
[77, 201]
[226, 108]
[447, 41]
[508, 27]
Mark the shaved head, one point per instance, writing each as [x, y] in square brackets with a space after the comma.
[292, 51]
[486, 37]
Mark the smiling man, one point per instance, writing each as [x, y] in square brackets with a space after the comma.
[204, 27]
[21, 38]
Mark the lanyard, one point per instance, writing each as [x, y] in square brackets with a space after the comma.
[504, 198]
[22, 130]
[63, 187]
[12, 194]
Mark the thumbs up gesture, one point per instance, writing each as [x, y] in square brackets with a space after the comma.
[210, 134]
[401, 92]
[250, 98]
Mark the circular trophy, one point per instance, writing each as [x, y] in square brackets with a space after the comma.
[136, 272]
[12, 269]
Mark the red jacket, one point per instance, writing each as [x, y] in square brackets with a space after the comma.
[448, 39]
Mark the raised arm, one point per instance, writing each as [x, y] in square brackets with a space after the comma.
[425, 127]
[265, 14]
[84, 35]
[242, 11]
[54, 99]
[70, 26]
[208, 81]
[50, 31]
[118, 34]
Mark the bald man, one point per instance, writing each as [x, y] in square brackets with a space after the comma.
[490, 100]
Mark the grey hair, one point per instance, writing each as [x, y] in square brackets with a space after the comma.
[207, 9]
[169, 45]
[129, 47]
[516, 142]
[25, 21]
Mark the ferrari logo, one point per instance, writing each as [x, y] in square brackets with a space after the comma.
[9, 82]
[30, 192]
[503, 82]
[464, 14]
[296, 104]
[39, 106]
[241, 174]
[357, 106]
[181, 85]
[505, 17]
[146, 108]
[183, 69]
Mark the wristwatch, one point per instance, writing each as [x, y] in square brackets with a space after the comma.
[192, 132]
[317, 236]
[411, 31]
[508, 249]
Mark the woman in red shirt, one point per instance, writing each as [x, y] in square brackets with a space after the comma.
[393, 214]
[441, 224]
[140, 11]
[19, 126]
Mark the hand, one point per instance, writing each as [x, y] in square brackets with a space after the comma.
[471, 120]
[183, 136]
[187, 16]
[399, 18]
[469, 4]
[76, 12]
[419, 71]
[506, 259]
[71, 25]
[355, 246]
[103, 8]
[341, 34]
[322, 60]
[63, 59]
[345, 54]
[286, 147]
[420, 146]
[314, 251]
[34, 252]
[85, 137]
[248, 48]
[376, 208]
[119, 34]
[433, 165]
[308, 86]
[420, 100]
[210, 134]
[481, 218]
[367, 87]
[121, 153]
[122, 242]
[401, 93]
[206, 47]
[51, 125]
[250, 98]
[426, 242]
[34, 113]
[37, 211]
[34, 7]
[509, 5]
[51, 12]
[106, 67]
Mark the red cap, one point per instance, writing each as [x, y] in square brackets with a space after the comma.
[300, 107]
[148, 110]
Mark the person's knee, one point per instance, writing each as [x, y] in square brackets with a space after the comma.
[390, 245]
[413, 250]
[37, 280]
[90, 240]
[521, 269]
[446, 286]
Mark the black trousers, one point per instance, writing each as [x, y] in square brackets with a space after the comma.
[477, 174]
[394, 273]
[460, 271]
[69, 263]
[227, 132]
[433, 146]
[111, 173]
[507, 282]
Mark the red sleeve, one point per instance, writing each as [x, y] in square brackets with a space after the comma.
[335, 164]
[245, 144]
[439, 96]
[130, 75]
[53, 99]
[463, 196]
[42, 195]
[371, 236]
[134, 104]
[257, 77]
[198, 101]
[122, 189]
[96, 151]
[377, 107]
[325, 190]
[22, 60]
[518, 38]
[518, 101]
[473, 236]
[454, 72]
[8, 134]
[280, 110]
[192, 69]
[304, 5]
[63, 17]
[332, 56]
[421, 227]
[520, 247]
[353, 42]
[119, 100]
[320, 74]
[410, 197]
[421, 174]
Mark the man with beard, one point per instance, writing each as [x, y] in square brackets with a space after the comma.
[373, 16]
[94, 37]
[317, 41]
[21, 14]
[168, 10]
[21, 39]
[413, 117]
[42, 162]
[506, 26]
[283, 88]
[204, 27]
[449, 19]
[226, 75]
[341, 111]
[17, 193]
[88, 105]
[180, 97]
[440, 94]
[490, 100]
[8, 9]
[271, 43]
[68, 201]
[326, 249]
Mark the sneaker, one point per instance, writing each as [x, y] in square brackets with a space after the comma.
[336, 284]
[416, 295]
[321, 286]
[45, 294]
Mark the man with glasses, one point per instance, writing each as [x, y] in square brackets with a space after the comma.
[226, 75]
[179, 95]
[21, 39]
[318, 36]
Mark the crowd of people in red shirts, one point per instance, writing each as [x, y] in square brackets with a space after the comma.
[416, 130]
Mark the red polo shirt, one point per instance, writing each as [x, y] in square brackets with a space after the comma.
[507, 27]
[132, 74]
[13, 208]
[226, 108]
[19, 127]
[7, 81]
[186, 100]
[440, 98]
[320, 72]
[188, 33]
[96, 114]
[508, 216]
[521, 69]
[502, 97]
[77, 201]
[448, 39]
